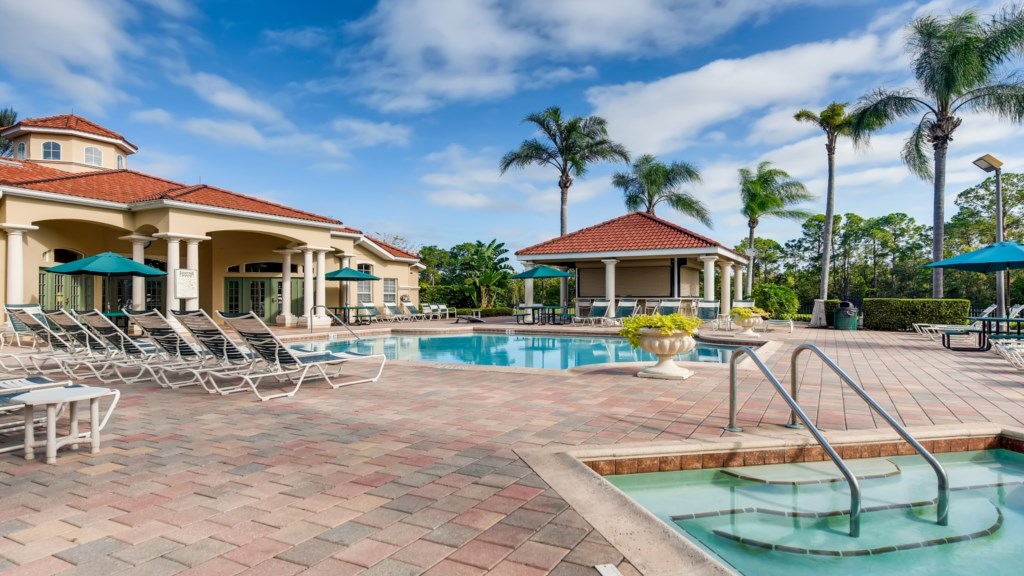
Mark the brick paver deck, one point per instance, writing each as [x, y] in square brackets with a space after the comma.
[417, 474]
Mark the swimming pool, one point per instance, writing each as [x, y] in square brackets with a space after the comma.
[518, 350]
[759, 522]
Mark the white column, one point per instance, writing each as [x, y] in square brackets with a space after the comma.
[528, 286]
[16, 262]
[138, 282]
[307, 285]
[192, 263]
[726, 302]
[738, 290]
[609, 282]
[321, 283]
[286, 318]
[709, 277]
[173, 259]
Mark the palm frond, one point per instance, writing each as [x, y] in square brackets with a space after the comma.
[790, 214]
[1005, 35]
[1005, 100]
[914, 154]
[882, 107]
[688, 204]
[805, 115]
[529, 152]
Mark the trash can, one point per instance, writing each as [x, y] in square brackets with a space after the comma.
[845, 317]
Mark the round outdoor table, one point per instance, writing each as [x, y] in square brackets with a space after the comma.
[52, 398]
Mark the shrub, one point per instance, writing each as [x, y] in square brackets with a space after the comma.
[830, 312]
[746, 312]
[500, 311]
[667, 324]
[446, 294]
[780, 301]
[801, 318]
[902, 313]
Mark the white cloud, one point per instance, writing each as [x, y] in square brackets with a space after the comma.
[225, 131]
[363, 133]
[228, 96]
[171, 166]
[778, 126]
[176, 8]
[73, 46]
[302, 38]
[152, 116]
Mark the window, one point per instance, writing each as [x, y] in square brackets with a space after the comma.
[21, 150]
[120, 162]
[93, 156]
[51, 151]
[390, 290]
[364, 291]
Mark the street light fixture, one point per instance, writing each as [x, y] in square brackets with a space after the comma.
[990, 163]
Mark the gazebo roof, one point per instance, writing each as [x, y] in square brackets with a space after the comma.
[636, 232]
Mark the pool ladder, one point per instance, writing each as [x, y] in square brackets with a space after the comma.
[333, 317]
[798, 413]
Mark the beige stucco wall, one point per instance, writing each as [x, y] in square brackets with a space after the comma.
[638, 278]
[72, 152]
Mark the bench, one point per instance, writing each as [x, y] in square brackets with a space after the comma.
[769, 324]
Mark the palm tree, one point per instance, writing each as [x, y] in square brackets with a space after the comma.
[570, 146]
[955, 61]
[8, 117]
[769, 192]
[652, 182]
[834, 122]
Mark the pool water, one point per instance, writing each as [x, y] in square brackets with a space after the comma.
[519, 350]
[751, 526]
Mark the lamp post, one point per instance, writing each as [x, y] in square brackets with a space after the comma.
[990, 163]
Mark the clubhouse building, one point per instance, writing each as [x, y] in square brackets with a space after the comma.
[67, 193]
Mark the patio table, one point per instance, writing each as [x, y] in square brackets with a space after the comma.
[543, 314]
[350, 314]
[990, 326]
[52, 399]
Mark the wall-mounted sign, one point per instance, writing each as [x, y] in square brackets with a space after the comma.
[186, 283]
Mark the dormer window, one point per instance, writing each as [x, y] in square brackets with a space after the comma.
[21, 150]
[93, 156]
[51, 151]
[120, 162]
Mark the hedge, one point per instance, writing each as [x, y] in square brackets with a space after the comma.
[830, 312]
[779, 301]
[501, 311]
[902, 313]
[446, 294]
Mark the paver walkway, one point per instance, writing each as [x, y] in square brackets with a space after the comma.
[417, 474]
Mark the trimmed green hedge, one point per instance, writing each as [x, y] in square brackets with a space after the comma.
[801, 317]
[489, 312]
[445, 294]
[779, 301]
[902, 313]
[830, 312]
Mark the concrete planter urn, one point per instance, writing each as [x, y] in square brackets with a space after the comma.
[748, 327]
[665, 347]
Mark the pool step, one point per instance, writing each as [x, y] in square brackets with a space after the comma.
[889, 529]
[813, 472]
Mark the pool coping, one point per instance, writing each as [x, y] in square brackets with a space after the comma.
[653, 547]
[765, 348]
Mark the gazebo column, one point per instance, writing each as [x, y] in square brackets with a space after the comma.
[726, 301]
[609, 282]
[138, 282]
[709, 277]
[286, 318]
[738, 291]
[173, 260]
[528, 286]
[16, 261]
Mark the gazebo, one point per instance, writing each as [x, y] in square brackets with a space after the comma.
[641, 256]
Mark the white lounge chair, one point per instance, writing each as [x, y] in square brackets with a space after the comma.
[282, 364]
[596, 315]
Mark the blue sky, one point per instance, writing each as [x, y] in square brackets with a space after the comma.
[392, 116]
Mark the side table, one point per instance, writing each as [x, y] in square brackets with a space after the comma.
[51, 399]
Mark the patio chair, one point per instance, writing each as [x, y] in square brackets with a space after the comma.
[183, 358]
[596, 314]
[433, 311]
[583, 306]
[708, 313]
[414, 312]
[935, 331]
[219, 376]
[624, 308]
[137, 356]
[651, 305]
[45, 361]
[284, 365]
[395, 313]
[669, 306]
[447, 313]
[14, 330]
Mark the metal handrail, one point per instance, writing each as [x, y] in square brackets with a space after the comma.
[332, 315]
[940, 473]
[843, 468]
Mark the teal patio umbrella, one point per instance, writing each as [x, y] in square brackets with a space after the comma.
[541, 272]
[107, 264]
[349, 275]
[991, 258]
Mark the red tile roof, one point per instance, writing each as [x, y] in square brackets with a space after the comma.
[126, 186]
[72, 122]
[637, 231]
[392, 249]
